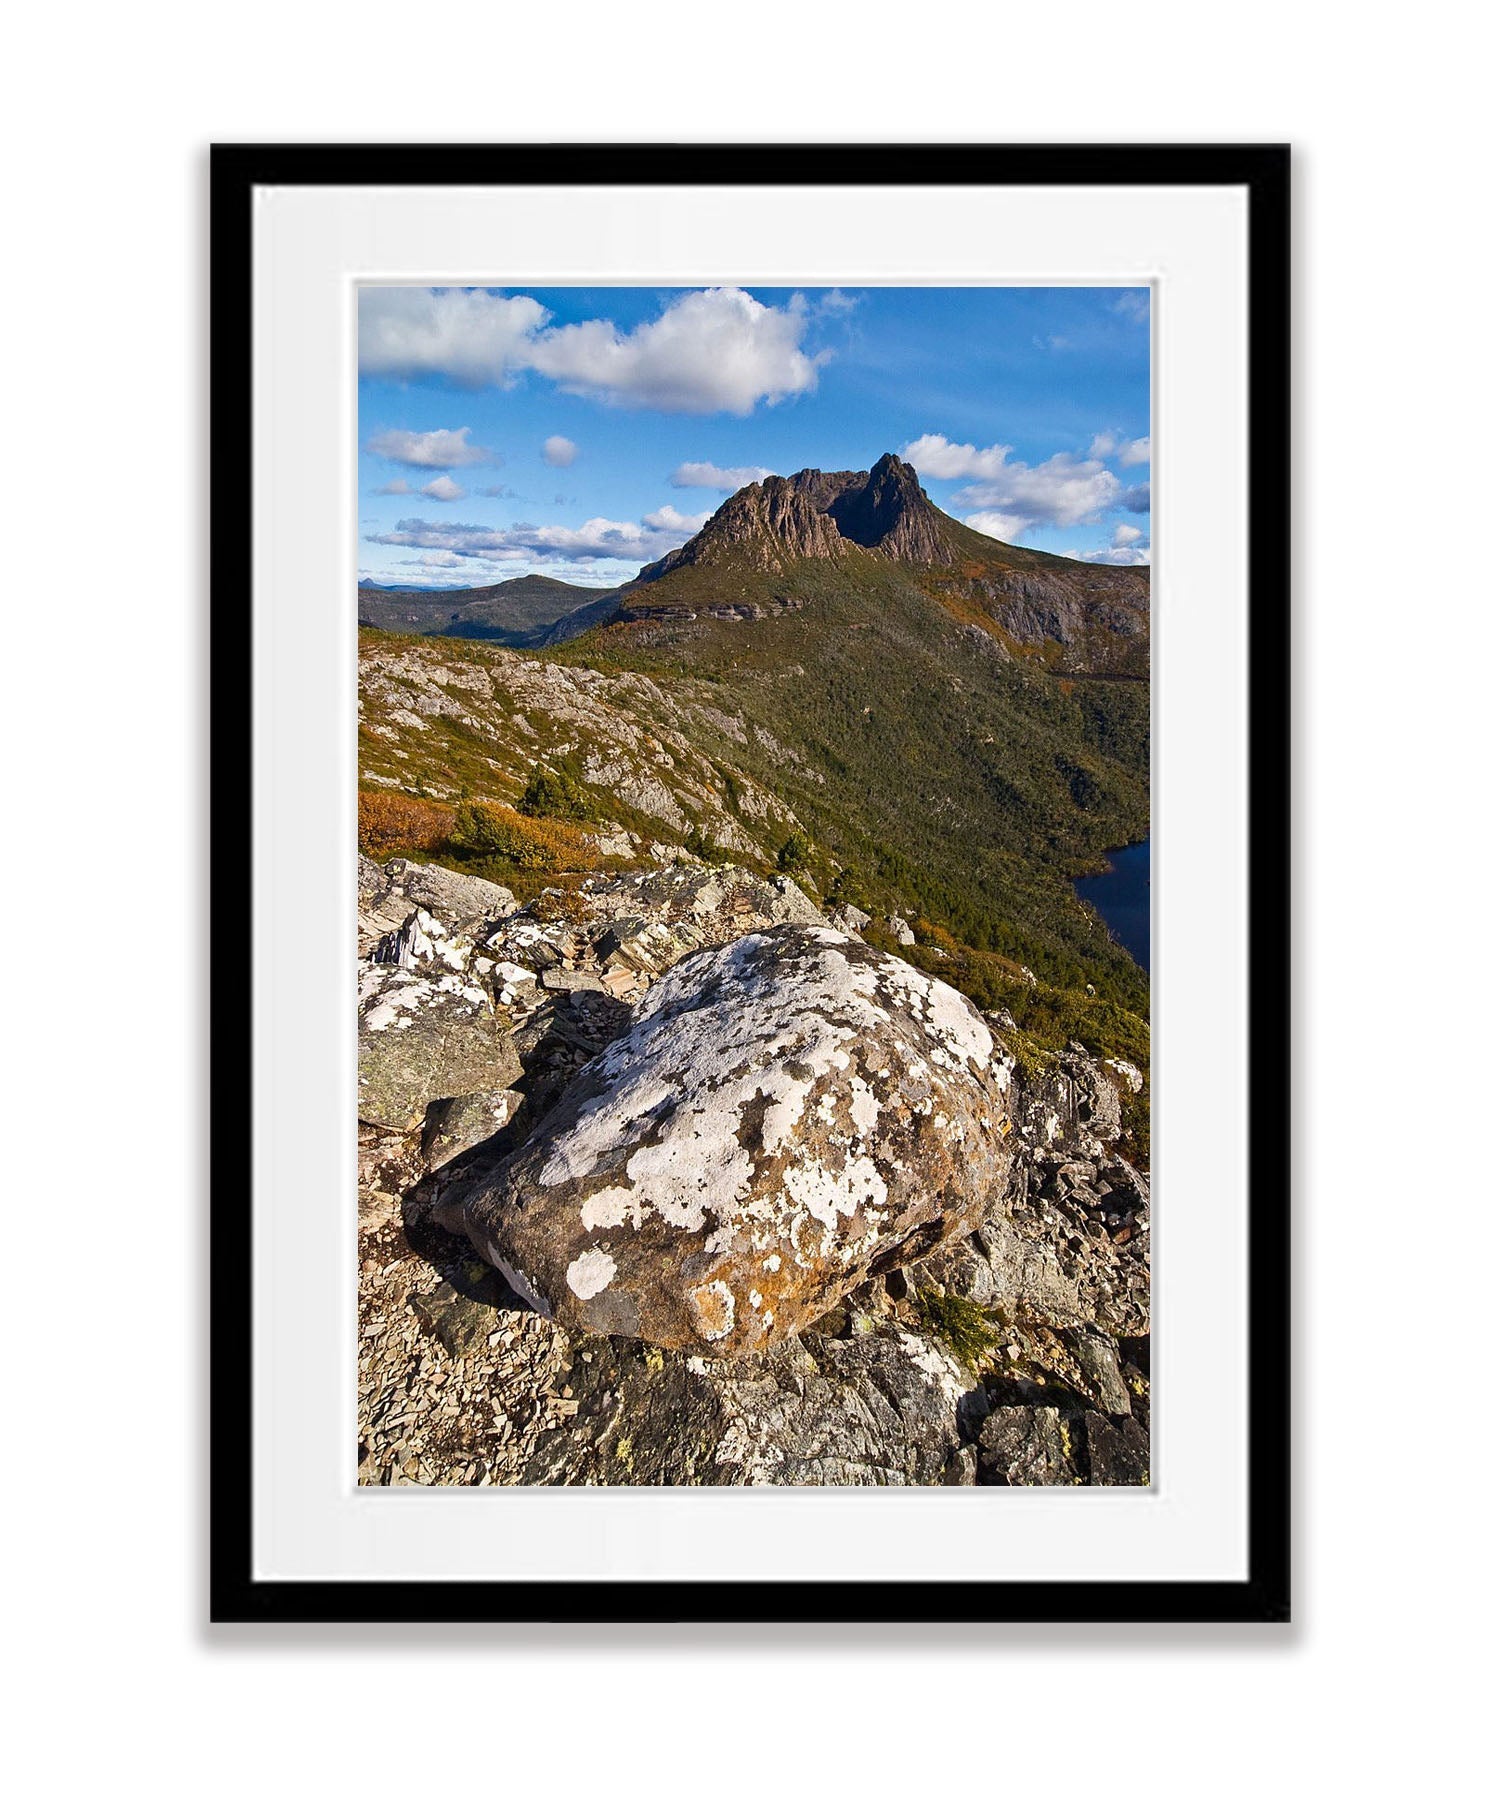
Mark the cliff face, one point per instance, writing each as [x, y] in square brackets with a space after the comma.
[817, 514]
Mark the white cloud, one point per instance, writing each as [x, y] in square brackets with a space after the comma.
[1132, 556]
[474, 338]
[711, 350]
[559, 452]
[398, 486]
[1134, 304]
[428, 449]
[595, 540]
[1126, 535]
[1005, 526]
[1137, 499]
[1128, 452]
[710, 475]
[667, 518]
[1064, 490]
[716, 350]
[444, 488]
[933, 455]
[1061, 491]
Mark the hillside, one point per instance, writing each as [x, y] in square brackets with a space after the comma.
[944, 742]
[524, 613]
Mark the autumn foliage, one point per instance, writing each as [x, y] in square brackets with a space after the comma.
[489, 838]
[400, 825]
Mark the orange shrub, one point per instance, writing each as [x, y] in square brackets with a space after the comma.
[400, 825]
[483, 832]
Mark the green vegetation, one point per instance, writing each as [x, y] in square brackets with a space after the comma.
[555, 793]
[795, 853]
[963, 1325]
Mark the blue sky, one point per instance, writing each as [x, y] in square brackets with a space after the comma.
[580, 432]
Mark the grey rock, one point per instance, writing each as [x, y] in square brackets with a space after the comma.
[884, 1409]
[421, 1041]
[1026, 1446]
[390, 894]
[460, 1324]
[1100, 1379]
[456, 1125]
[571, 981]
[1118, 1450]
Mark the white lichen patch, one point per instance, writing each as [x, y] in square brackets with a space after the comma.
[591, 1273]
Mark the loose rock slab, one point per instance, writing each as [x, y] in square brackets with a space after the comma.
[785, 1116]
[421, 1041]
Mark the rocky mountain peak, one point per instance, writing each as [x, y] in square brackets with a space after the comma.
[819, 513]
[889, 512]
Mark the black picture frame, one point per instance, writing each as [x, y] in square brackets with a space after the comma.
[1263, 172]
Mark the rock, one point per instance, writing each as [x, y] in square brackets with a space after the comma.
[962, 1469]
[900, 930]
[424, 944]
[460, 1324]
[1026, 1446]
[456, 1125]
[571, 981]
[421, 1041]
[389, 1163]
[784, 1117]
[1075, 1104]
[613, 843]
[1119, 1452]
[1100, 1379]
[885, 1409]
[847, 918]
[389, 895]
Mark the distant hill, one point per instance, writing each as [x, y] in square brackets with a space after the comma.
[522, 614]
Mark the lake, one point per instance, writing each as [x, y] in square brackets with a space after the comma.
[1122, 898]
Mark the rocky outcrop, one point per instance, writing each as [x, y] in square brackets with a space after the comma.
[816, 515]
[390, 894]
[992, 1327]
[887, 1409]
[783, 1119]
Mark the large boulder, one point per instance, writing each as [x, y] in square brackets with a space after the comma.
[422, 1040]
[785, 1117]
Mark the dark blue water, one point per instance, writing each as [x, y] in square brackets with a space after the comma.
[1122, 898]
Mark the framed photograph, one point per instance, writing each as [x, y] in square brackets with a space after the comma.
[750, 724]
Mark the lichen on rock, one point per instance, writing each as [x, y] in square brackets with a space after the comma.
[784, 1117]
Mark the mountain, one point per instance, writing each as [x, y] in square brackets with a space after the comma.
[1083, 617]
[524, 613]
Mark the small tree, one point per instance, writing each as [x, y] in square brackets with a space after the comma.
[554, 794]
[794, 853]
